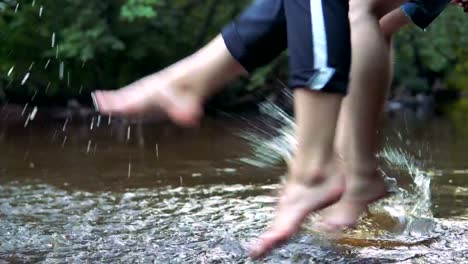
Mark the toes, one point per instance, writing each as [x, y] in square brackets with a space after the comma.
[103, 102]
[268, 241]
[113, 103]
[294, 206]
[286, 224]
[130, 102]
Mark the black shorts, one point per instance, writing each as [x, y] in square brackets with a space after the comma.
[316, 33]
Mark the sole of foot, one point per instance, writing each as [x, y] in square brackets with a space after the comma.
[139, 102]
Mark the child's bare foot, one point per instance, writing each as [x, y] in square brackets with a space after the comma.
[363, 187]
[302, 195]
[157, 93]
[178, 91]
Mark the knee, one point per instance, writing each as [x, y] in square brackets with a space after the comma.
[387, 31]
[360, 10]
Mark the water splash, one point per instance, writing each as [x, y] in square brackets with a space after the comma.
[413, 205]
[272, 136]
[273, 141]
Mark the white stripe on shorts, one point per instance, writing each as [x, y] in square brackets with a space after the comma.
[319, 43]
[319, 34]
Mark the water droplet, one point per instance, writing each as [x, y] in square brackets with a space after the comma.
[54, 135]
[61, 69]
[129, 169]
[16, 8]
[157, 151]
[11, 70]
[47, 87]
[95, 148]
[34, 95]
[47, 64]
[53, 40]
[24, 109]
[27, 120]
[40, 11]
[65, 125]
[128, 133]
[33, 113]
[68, 78]
[89, 146]
[64, 141]
[25, 78]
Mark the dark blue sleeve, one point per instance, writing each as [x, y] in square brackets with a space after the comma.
[423, 12]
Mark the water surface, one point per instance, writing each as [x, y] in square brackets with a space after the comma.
[96, 191]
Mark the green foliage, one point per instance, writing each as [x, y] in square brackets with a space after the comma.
[440, 52]
[71, 47]
[134, 9]
[52, 50]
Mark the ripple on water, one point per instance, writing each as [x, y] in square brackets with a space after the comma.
[207, 224]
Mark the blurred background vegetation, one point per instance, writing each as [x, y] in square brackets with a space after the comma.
[52, 51]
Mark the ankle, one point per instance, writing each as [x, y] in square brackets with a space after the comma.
[357, 163]
[307, 177]
[180, 83]
[308, 172]
[365, 167]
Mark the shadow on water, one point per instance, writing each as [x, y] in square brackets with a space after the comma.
[99, 191]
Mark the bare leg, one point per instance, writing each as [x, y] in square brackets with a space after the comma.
[314, 182]
[179, 90]
[357, 136]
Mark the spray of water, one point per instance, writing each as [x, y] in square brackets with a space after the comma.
[272, 141]
[271, 136]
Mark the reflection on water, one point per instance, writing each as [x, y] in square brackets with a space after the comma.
[113, 192]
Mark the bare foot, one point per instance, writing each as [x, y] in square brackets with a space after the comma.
[157, 93]
[299, 198]
[362, 189]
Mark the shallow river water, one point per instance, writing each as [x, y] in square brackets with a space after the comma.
[96, 191]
